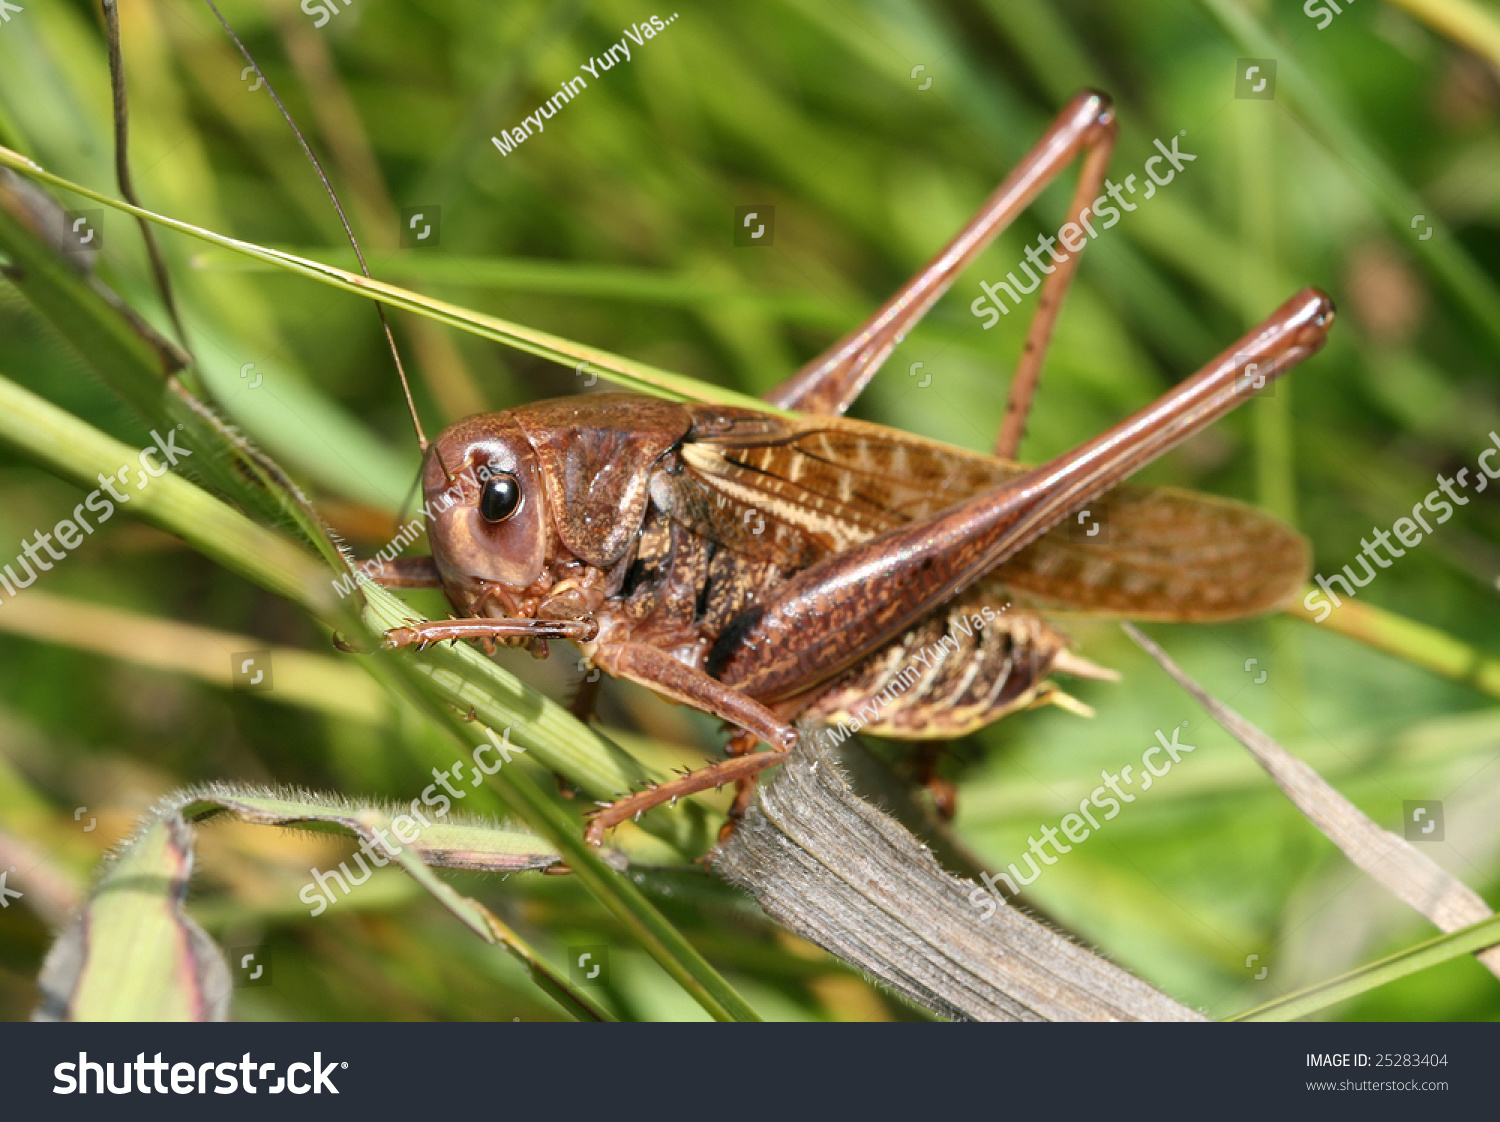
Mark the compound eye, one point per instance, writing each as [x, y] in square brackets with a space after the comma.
[501, 498]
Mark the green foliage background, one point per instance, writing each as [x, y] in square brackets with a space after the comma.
[613, 228]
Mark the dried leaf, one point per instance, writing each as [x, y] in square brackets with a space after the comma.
[1394, 862]
[843, 874]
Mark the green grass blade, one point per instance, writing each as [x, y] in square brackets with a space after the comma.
[460, 844]
[134, 954]
[1416, 643]
[456, 683]
[1468, 283]
[632, 375]
[1467, 940]
[664, 942]
[565, 278]
[1462, 21]
[81, 453]
[119, 349]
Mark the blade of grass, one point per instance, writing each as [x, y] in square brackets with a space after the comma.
[1469, 284]
[81, 453]
[1391, 861]
[654, 932]
[471, 845]
[493, 930]
[633, 375]
[133, 953]
[141, 368]
[1325, 995]
[305, 679]
[1461, 21]
[564, 278]
[461, 681]
[1413, 642]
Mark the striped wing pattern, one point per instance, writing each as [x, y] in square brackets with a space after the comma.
[798, 489]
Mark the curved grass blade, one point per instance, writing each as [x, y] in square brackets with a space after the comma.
[461, 844]
[1391, 861]
[453, 681]
[628, 373]
[1324, 995]
[133, 953]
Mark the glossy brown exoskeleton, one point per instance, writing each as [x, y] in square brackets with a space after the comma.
[770, 567]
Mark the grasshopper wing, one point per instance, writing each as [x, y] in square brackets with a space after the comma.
[795, 489]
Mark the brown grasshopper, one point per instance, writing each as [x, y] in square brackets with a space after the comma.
[771, 569]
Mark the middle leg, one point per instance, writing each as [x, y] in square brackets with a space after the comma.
[661, 673]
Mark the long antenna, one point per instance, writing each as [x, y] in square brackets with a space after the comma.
[122, 166]
[385, 324]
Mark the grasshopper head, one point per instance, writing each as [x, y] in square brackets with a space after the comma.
[488, 511]
[561, 480]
